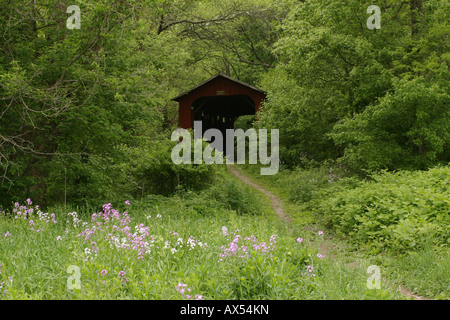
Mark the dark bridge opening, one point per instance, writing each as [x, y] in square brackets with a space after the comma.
[221, 112]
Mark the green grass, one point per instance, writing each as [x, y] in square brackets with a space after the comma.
[38, 264]
[425, 272]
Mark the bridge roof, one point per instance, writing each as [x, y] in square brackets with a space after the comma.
[177, 98]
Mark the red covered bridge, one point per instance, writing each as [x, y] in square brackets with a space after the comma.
[218, 102]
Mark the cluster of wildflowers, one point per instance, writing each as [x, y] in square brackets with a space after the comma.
[45, 217]
[320, 256]
[225, 231]
[23, 212]
[249, 244]
[185, 292]
[119, 232]
[88, 253]
[75, 221]
[310, 271]
[158, 217]
[122, 276]
[137, 240]
[191, 243]
[32, 215]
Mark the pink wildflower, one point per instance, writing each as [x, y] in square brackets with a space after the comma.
[225, 231]
[122, 276]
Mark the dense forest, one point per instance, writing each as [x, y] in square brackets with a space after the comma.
[86, 114]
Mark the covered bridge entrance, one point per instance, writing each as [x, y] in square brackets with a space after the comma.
[218, 102]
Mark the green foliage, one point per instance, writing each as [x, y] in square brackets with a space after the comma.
[395, 211]
[129, 172]
[302, 183]
[407, 129]
[85, 117]
[244, 122]
[379, 98]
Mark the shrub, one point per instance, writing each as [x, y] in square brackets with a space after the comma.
[302, 184]
[407, 129]
[396, 211]
[128, 172]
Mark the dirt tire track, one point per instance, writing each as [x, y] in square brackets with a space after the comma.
[274, 200]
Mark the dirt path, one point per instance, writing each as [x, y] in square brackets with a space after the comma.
[274, 200]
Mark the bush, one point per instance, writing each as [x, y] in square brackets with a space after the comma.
[408, 129]
[396, 211]
[302, 184]
[128, 172]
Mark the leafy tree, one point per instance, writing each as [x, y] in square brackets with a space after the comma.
[407, 129]
[332, 67]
